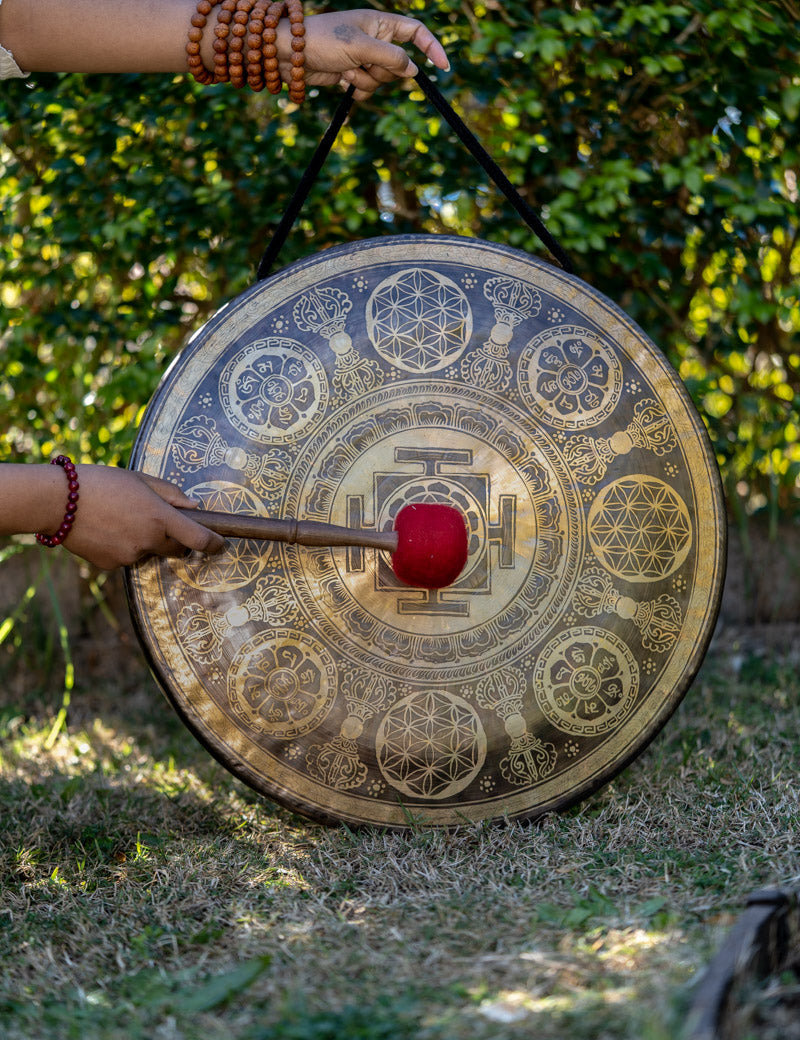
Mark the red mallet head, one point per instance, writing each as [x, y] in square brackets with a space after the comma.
[431, 545]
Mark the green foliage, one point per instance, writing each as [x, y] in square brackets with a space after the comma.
[660, 141]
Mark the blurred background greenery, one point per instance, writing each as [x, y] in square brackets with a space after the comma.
[659, 141]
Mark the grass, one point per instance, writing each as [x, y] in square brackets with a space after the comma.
[147, 893]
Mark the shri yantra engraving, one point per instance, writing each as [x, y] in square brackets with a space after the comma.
[414, 443]
[432, 369]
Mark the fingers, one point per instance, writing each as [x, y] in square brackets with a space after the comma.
[190, 535]
[365, 49]
[181, 532]
[368, 52]
[410, 30]
[366, 81]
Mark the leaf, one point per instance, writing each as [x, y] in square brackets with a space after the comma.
[650, 907]
[791, 102]
[219, 989]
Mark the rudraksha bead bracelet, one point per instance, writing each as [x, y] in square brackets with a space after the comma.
[246, 44]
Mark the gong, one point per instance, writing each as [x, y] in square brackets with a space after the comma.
[412, 369]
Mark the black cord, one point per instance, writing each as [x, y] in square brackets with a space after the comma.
[464, 135]
[490, 167]
[305, 185]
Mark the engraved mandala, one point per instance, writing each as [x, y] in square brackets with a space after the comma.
[429, 369]
[639, 528]
[419, 320]
[242, 559]
[570, 377]
[274, 389]
[586, 681]
[282, 683]
[431, 745]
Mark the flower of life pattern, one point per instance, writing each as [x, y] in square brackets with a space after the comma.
[419, 320]
[431, 745]
[242, 559]
[640, 529]
[419, 732]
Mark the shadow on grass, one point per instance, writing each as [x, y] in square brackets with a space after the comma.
[148, 893]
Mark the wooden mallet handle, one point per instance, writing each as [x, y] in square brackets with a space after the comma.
[295, 532]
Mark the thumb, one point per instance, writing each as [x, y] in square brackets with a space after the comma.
[167, 491]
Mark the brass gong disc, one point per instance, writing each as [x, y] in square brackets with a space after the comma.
[426, 369]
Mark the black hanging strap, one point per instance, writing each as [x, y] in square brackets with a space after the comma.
[490, 167]
[304, 186]
[464, 135]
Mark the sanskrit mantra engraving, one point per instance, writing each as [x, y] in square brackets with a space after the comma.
[274, 389]
[423, 372]
[586, 681]
[282, 683]
[570, 376]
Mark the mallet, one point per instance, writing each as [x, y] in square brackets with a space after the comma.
[428, 545]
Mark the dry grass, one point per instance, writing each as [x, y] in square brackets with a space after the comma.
[147, 893]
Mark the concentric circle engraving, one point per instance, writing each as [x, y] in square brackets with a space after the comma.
[419, 320]
[640, 529]
[273, 389]
[586, 681]
[431, 745]
[421, 443]
[570, 376]
[282, 684]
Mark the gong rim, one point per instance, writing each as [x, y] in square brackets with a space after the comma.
[528, 415]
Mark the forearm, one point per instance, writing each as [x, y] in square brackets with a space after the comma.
[112, 36]
[363, 48]
[32, 498]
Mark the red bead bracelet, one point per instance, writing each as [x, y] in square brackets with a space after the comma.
[52, 540]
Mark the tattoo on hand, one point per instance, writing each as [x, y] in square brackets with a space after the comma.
[346, 33]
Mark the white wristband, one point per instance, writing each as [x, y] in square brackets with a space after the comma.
[8, 67]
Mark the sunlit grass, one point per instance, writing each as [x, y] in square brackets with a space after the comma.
[141, 882]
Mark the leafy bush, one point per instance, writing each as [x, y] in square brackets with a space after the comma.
[659, 140]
